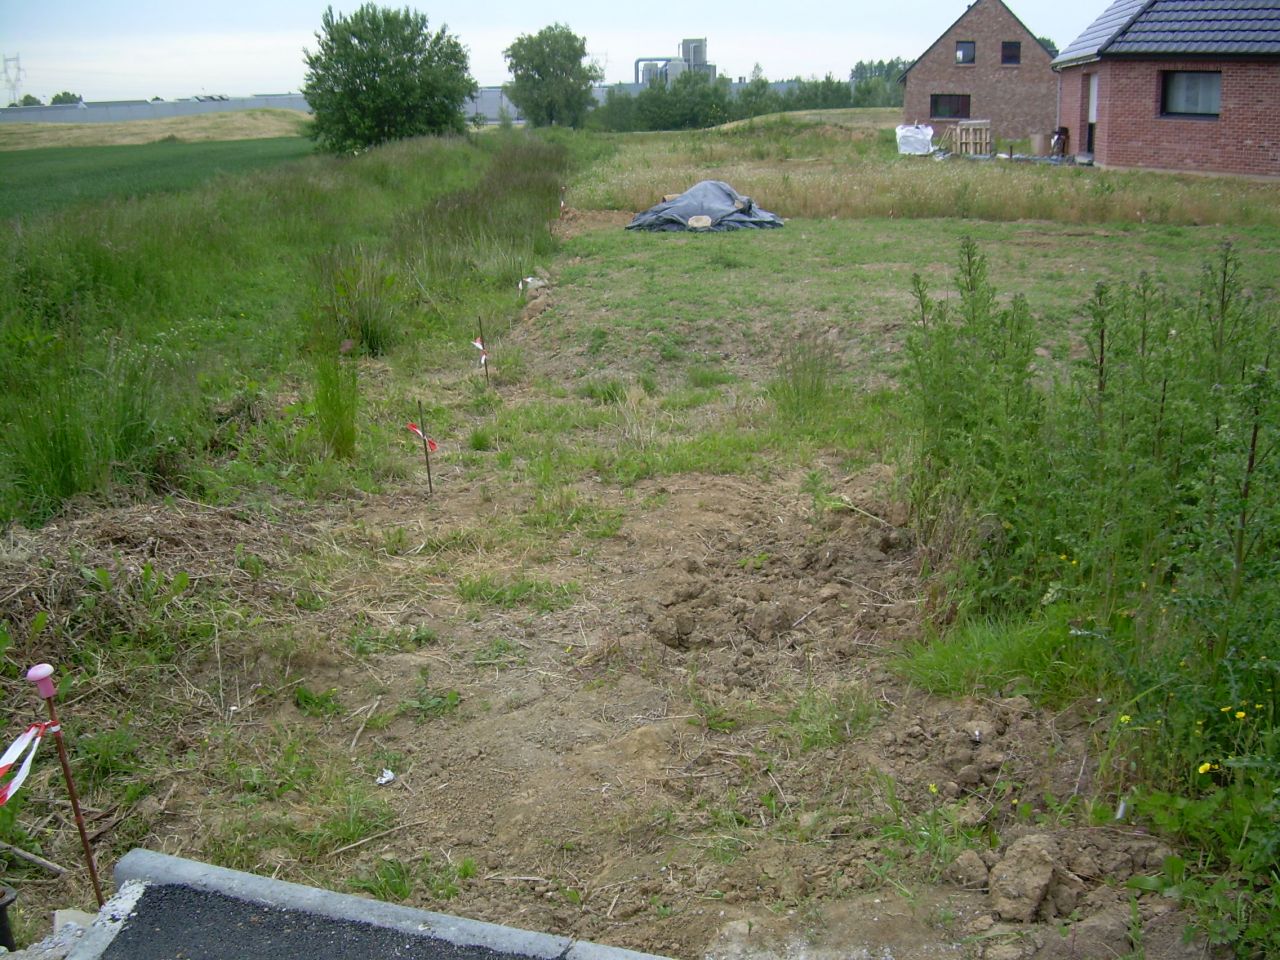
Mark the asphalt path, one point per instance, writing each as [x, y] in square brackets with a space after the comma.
[182, 923]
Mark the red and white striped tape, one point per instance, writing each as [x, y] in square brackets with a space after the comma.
[431, 444]
[28, 743]
[478, 343]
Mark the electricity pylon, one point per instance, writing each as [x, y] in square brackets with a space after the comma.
[13, 79]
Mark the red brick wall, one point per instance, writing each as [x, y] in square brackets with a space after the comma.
[1130, 132]
[1018, 100]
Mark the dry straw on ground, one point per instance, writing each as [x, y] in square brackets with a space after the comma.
[232, 125]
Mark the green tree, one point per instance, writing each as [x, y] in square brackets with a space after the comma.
[66, 96]
[551, 82]
[876, 82]
[757, 97]
[1048, 45]
[617, 113]
[691, 101]
[825, 94]
[29, 101]
[890, 69]
[380, 75]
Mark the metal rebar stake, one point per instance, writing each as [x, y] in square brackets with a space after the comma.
[42, 676]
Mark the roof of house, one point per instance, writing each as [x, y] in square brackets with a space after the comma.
[1179, 27]
[942, 36]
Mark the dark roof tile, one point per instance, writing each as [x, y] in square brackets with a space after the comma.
[1179, 26]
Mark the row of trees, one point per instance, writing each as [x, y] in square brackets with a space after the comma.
[66, 96]
[694, 100]
[379, 75]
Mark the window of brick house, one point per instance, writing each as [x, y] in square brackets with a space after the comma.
[966, 51]
[1010, 51]
[1190, 93]
[949, 106]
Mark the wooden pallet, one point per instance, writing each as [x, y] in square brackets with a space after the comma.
[973, 137]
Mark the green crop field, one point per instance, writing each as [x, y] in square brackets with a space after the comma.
[49, 178]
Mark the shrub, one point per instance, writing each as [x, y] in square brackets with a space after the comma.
[380, 75]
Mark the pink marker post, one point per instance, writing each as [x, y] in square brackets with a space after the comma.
[42, 676]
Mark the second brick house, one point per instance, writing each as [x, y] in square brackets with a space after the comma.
[986, 66]
[1176, 85]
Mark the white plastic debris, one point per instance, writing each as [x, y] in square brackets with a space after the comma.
[385, 777]
[915, 139]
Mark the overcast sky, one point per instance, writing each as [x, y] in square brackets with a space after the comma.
[112, 49]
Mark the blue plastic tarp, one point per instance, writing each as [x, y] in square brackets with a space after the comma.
[719, 206]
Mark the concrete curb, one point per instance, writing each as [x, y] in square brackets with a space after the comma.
[145, 866]
[110, 919]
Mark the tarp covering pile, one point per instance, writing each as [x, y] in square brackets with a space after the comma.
[710, 205]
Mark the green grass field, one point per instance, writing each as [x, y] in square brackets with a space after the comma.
[48, 179]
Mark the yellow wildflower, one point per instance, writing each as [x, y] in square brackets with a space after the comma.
[1204, 767]
[1239, 714]
[1125, 718]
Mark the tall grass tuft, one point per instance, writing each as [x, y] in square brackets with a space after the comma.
[357, 299]
[1129, 508]
[81, 428]
[337, 399]
[804, 388]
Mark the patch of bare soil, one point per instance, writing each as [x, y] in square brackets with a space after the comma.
[574, 222]
[632, 769]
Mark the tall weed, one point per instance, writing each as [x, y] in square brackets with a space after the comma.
[1137, 496]
[977, 409]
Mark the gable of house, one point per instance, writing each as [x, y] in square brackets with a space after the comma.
[986, 66]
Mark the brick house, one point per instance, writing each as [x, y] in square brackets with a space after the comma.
[986, 66]
[1176, 85]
